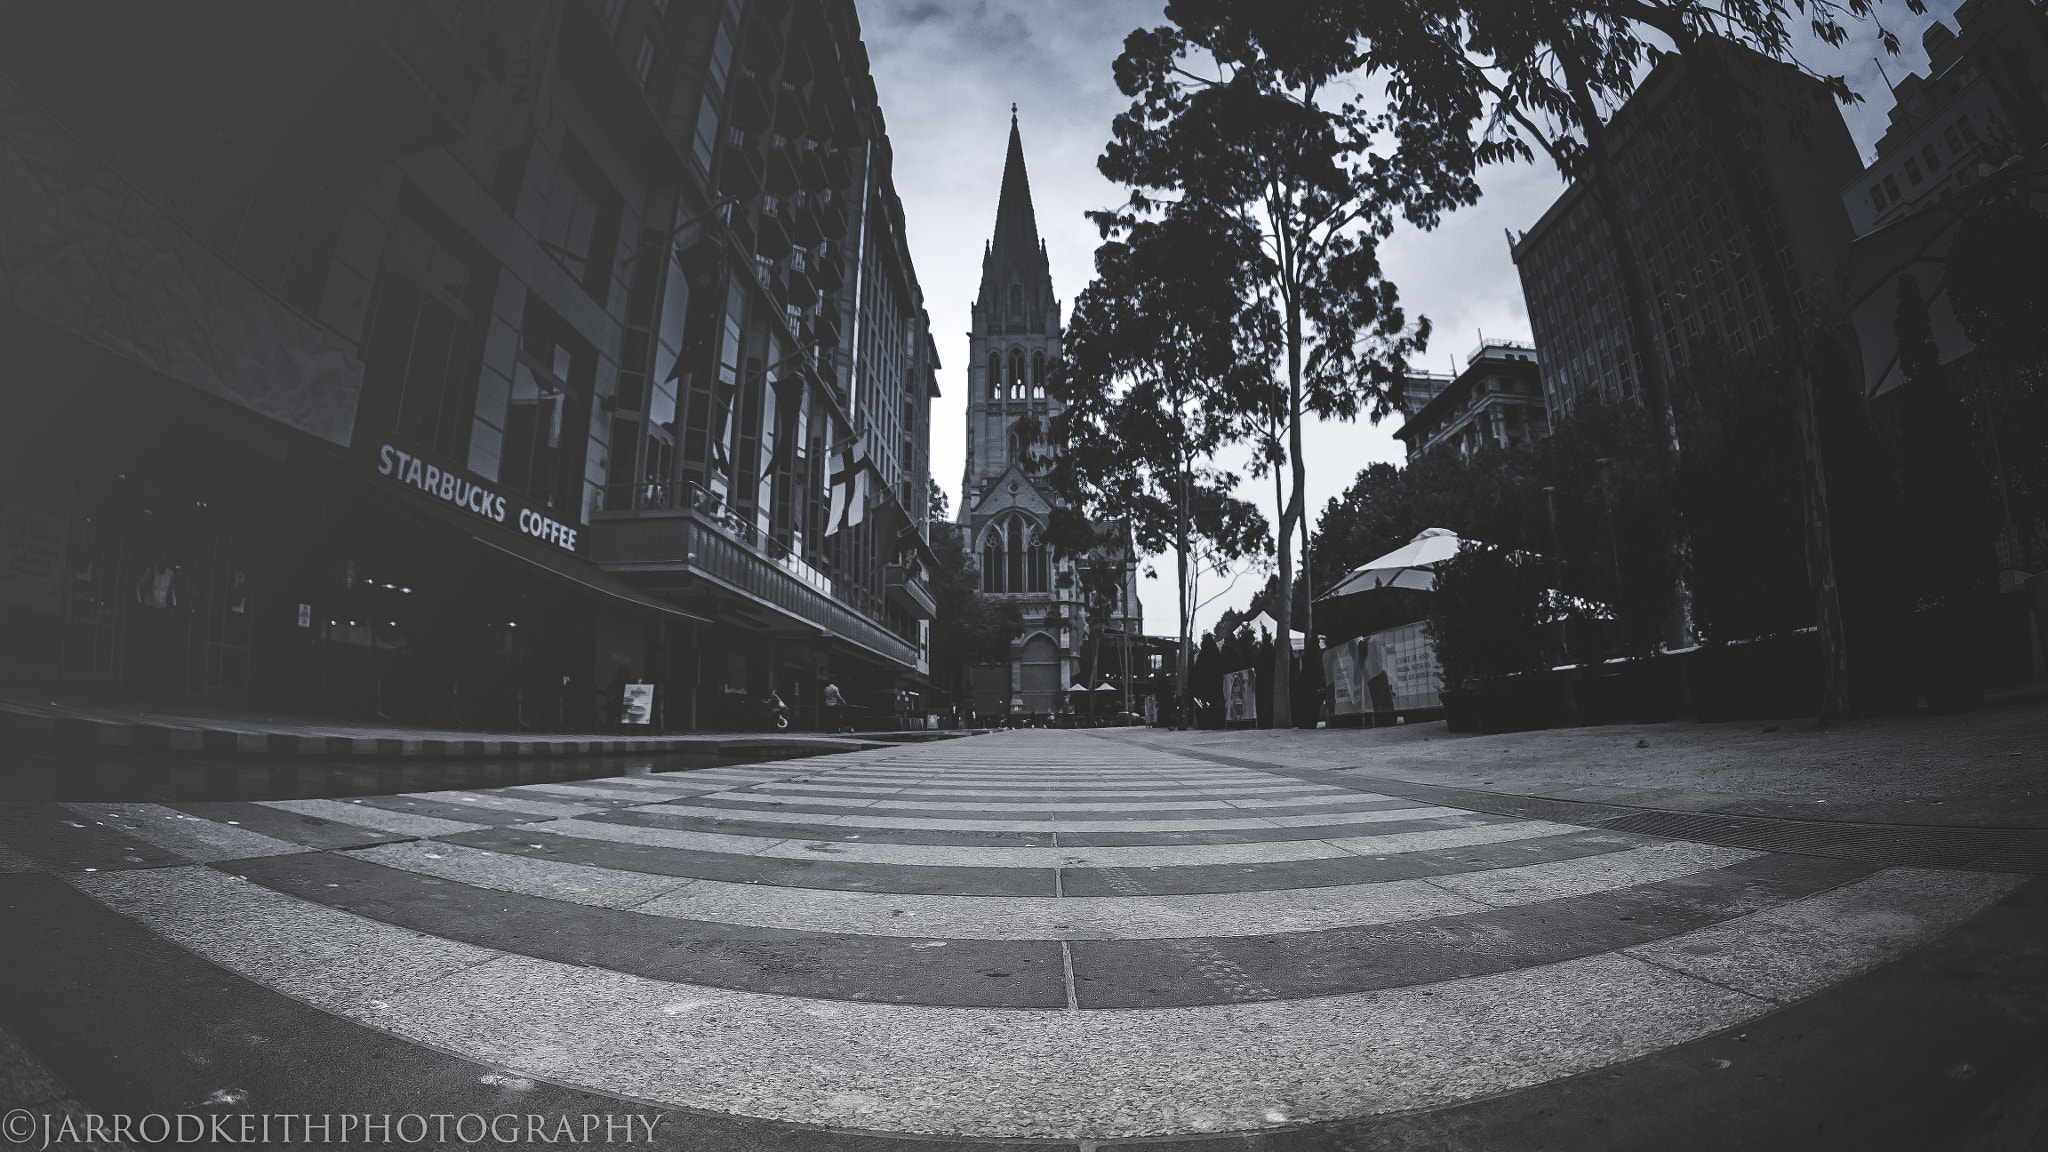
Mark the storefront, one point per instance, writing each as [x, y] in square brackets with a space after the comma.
[162, 546]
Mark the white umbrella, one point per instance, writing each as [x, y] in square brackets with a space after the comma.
[1105, 686]
[1412, 565]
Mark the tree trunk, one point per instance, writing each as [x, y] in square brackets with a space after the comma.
[1182, 690]
[1641, 329]
[1283, 608]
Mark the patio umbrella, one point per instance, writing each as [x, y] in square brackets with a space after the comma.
[1412, 565]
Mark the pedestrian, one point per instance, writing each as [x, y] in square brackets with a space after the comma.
[835, 707]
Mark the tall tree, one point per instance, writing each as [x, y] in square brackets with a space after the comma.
[1233, 111]
[1155, 360]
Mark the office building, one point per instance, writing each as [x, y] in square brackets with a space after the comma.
[1702, 276]
[1497, 400]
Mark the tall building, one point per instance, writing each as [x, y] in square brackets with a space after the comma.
[1006, 507]
[1497, 400]
[443, 361]
[1982, 101]
[1679, 206]
[1970, 129]
[1970, 133]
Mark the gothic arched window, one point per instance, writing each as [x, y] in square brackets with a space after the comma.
[1016, 547]
[1038, 375]
[1016, 302]
[992, 563]
[1040, 564]
[995, 376]
[1017, 374]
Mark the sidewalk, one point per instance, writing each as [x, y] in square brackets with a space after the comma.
[1984, 769]
[45, 716]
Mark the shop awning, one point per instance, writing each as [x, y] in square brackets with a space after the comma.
[585, 575]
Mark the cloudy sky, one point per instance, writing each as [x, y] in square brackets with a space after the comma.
[948, 71]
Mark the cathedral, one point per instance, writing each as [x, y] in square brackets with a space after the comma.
[1005, 504]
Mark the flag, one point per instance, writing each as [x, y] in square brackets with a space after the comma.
[849, 491]
[511, 39]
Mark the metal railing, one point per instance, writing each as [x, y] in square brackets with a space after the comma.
[682, 496]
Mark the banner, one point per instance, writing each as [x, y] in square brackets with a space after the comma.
[1341, 667]
[1240, 696]
[1407, 657]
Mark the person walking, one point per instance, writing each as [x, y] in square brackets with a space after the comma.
[835, 708]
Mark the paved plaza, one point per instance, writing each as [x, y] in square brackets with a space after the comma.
[1060, 937]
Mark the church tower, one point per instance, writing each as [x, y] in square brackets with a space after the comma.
[1005, 508]
[1015, 339]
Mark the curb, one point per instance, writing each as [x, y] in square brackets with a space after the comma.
[23, 729]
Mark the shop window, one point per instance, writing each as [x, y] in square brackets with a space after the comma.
[423, 343]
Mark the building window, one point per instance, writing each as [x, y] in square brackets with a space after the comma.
[1016, 302]
[422, 347]
[1877, 196]
[547, 423]
[1016, 557]
[1016, 374]
[581, 228]
[1891, 188]
[643, 64]
[995, 376]
[1038, 375]
[1932, 157]
[992, 563]
[613, 9]
[1912, 170]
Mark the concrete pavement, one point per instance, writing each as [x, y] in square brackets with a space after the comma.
[1067, 938]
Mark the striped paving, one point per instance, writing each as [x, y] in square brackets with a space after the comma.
[1030, 935]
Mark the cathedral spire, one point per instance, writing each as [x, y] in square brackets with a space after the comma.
[1015, 255]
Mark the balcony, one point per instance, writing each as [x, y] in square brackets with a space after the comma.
[764, 44]
[752, 107]
[908, 591]
[789, 111]
[681, 530]
[782, 173]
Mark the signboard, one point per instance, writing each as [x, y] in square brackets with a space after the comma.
[32, 558]
[409, 469]
[1240, 696]
[638, 705]
[1341, 668]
